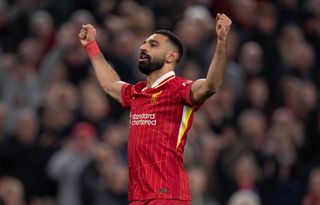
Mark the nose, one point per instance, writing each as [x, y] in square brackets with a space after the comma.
[143, 47]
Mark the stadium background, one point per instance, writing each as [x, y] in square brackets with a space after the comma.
[63, 141]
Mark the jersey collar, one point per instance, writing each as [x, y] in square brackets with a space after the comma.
[163, 79]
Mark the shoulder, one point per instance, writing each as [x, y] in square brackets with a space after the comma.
[180, 82]
[140, 83]
[137, 86]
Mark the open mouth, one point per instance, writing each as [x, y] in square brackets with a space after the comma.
[144, 57]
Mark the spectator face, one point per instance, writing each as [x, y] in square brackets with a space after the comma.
[209, 149]
[42, 24]
[11, 191]
[123, 44]
[139, 19]
[287, 131]
[81, 17]
[252, 124]
[105, 7]
[104, 154]
[251, 57]
[117, 178]
[246, 171]
[120, 180]
[27, 127]
[244, 198]
[258, 93]
[66, 36]
[60, 100]
[95, 105]
[298, 95]
[190, 33]
[115, 135]
[290, 37]
[29, 51]
[245, 18]
[83, 137]
[303, 58]
[267, 18]
[314, 182]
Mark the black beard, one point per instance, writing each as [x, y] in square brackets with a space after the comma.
[147, 67]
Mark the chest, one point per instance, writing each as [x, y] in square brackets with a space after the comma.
[154, 108]
[156, 101]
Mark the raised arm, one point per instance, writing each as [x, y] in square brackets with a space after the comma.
[106, 75]
[202, 89]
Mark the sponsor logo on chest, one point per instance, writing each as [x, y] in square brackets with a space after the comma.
[143, 119]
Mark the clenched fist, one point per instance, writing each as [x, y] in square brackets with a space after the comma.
[223, 24]
[87, 34]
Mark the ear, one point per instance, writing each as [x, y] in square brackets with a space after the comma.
[172, 57]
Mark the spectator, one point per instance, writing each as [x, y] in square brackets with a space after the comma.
[244, 197]
[96, 187]
[312, 196]
[198, 182]
[11, 191]
[66, 165]
[23, 158]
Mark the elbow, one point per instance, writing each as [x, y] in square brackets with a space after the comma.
[110, 86]
[209, 91]
[213, 88]
[106, 87]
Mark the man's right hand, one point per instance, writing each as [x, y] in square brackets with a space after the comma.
[87, 34]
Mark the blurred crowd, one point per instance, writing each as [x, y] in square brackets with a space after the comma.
[63, 141]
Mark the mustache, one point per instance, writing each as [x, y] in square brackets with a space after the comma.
[144, 54]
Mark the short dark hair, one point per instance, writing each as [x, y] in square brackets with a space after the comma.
[174, 39]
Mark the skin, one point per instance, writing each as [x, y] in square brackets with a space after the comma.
[158, 46]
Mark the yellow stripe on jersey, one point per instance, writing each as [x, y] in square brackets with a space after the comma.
[187, 111]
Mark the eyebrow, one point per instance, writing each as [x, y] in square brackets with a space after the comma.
[152, 41]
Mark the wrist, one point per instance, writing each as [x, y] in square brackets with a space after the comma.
[222, 42]
[92, 49]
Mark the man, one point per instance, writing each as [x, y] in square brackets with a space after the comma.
[162, 110]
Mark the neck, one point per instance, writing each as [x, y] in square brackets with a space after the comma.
[155, 75]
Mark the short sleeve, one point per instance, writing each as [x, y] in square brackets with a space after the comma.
[185, 93]
[126, 90]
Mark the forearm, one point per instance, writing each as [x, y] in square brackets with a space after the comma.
[202, 89]
[215, 73]
[105, 74]
[59, 164]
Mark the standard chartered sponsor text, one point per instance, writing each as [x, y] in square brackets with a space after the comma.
[143, 119]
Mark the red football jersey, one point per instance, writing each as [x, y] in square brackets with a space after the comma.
[160, 119]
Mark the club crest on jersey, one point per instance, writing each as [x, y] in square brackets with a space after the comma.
[154, 97]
